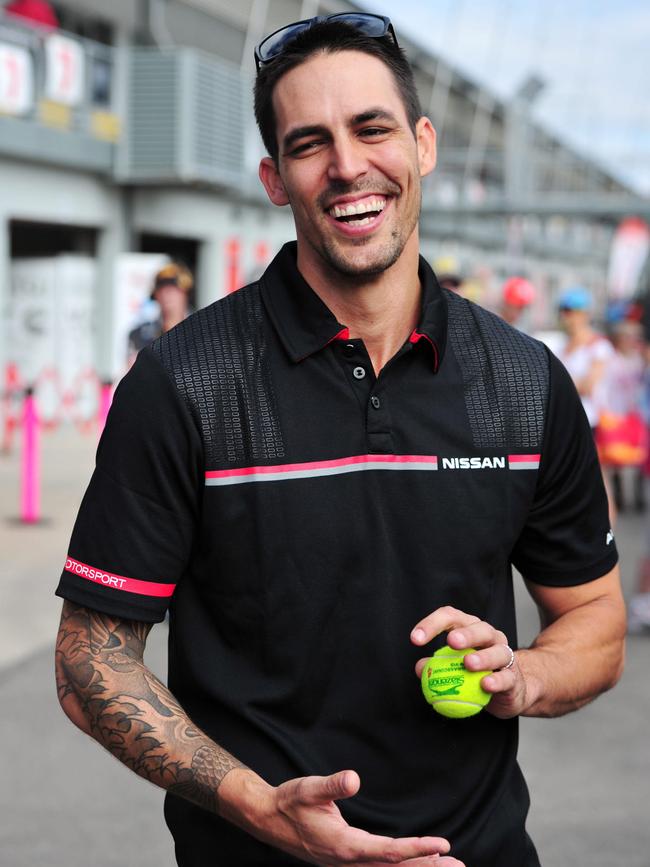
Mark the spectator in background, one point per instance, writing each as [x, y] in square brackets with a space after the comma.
[516, 296]
[451, 281]
[447, 272]
[639, 604]
[171, 292]
[622, 419]
[585, 353]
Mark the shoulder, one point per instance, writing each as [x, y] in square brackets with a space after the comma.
[475, 330]
[209, 334]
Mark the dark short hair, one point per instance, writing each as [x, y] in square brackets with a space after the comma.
[330, 37]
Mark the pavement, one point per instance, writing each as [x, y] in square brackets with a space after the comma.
[65, 803]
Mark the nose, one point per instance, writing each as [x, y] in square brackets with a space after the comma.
[348, 161]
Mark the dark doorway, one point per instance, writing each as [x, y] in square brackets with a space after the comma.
[49, 239]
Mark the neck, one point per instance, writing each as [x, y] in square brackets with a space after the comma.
[381, 310]
[171, 320]
[581, 335]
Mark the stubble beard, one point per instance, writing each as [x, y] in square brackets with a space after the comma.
[352, 263]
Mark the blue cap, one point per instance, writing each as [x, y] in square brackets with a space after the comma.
[575, 298]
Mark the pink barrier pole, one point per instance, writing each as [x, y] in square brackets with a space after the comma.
[105, 400]
[30, 475]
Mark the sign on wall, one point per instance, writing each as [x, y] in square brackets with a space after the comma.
[64, 70]
[16, 80]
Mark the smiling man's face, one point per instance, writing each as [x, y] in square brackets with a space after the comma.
[349, 164]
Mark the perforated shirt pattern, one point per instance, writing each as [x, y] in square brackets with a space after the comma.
[218, 360]
[505, 377]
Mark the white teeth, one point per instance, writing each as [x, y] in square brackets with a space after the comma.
[354, 208]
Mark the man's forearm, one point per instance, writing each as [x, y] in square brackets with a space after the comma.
[106, 689]
[575, 657]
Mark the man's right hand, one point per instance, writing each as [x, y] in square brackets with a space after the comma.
[301, 818]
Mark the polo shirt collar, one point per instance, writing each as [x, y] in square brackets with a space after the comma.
[306, 325]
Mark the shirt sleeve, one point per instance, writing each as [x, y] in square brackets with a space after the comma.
[135, 528]
[567, 539]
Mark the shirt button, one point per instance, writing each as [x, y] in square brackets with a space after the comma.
[349, 348]
[358, 373]
[376, 403]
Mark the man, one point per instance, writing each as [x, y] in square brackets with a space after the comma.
[171, 292]
[331, 471]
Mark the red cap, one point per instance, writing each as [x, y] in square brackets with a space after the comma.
[518, 291]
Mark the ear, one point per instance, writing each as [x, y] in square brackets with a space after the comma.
[270, 177]
[425, 136]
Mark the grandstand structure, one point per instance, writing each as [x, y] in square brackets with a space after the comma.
[129, 129]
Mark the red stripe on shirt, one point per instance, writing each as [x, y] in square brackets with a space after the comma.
[416, 337]
[324, 465]
[118, 582]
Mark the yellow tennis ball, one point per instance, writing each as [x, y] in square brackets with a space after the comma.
[450, 688]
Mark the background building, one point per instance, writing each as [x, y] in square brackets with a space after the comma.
[128, 129]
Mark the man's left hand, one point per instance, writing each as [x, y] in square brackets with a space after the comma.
[506, 685]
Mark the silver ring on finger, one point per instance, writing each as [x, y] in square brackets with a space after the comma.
[511, 661]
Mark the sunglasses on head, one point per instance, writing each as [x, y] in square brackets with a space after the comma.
[275, 45]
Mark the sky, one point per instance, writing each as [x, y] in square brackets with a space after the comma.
[594, 56]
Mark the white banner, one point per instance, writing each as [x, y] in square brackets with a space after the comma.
[16, 80]
[133, 282]
[628, 254]
[64, 70]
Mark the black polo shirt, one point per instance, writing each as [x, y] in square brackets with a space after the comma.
[299, 515]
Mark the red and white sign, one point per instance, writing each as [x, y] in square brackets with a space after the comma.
[64, 70]
[628, 254]
[16, 80]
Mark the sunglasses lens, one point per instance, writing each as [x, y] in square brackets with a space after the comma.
[275, 44]
[368, 24]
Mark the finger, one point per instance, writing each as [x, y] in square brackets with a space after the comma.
[364, 848]
[426, 861]
[312, 791]
[441, 620]
[489, 658]
[479, 634]
[448, 862]
[500, 681]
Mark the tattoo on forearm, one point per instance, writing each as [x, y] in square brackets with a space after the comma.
[101, 677]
